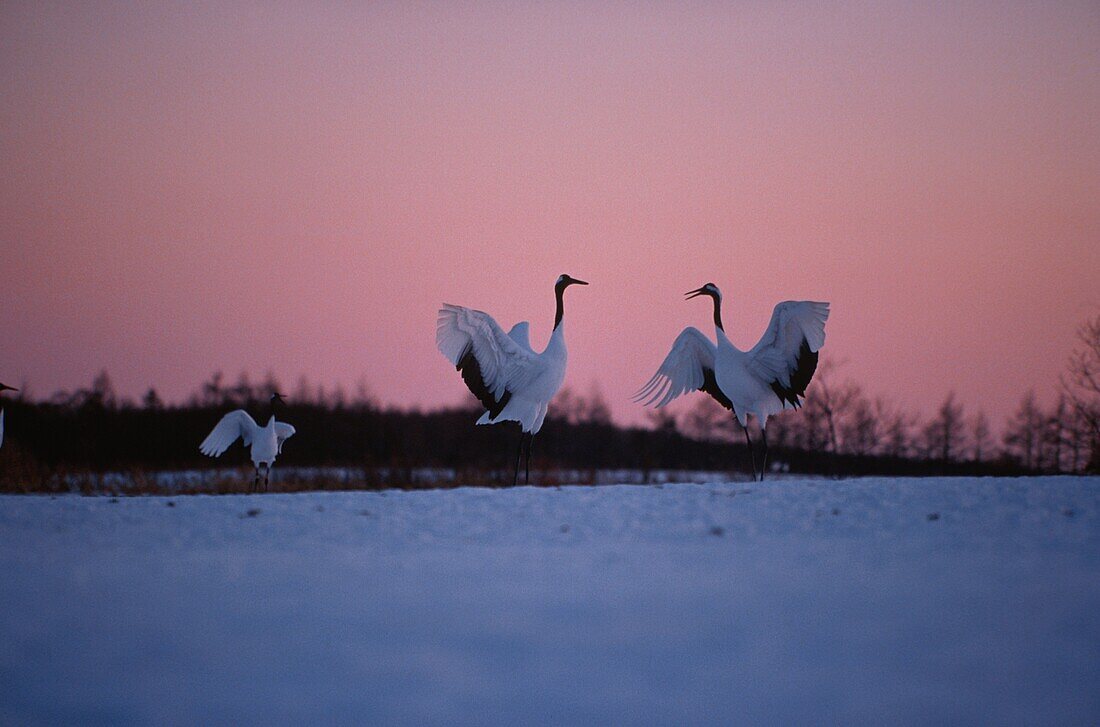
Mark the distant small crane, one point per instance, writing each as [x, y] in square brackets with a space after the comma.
[3, 388]
[264, 443]
[765, 380]
[501, 369]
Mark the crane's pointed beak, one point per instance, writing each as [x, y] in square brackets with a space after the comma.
[574, 281]
[5, 387]
[694, 293]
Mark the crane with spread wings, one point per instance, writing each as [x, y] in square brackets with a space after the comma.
[511, 380]
[264, 443]
[765, 380]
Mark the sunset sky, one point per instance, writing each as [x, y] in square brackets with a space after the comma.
[295, 188]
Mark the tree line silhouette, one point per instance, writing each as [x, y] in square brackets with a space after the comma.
[840, 431]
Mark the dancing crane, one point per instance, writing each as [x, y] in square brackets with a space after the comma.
[765, 380]
[264, 443]
[501, 369]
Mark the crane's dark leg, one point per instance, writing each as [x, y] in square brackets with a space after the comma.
[527, 461]
[519, 455]
[764, 463]
[752, 452]
[255, 481]
[267, 475]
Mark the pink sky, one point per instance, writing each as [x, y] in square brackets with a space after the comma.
[296, 187]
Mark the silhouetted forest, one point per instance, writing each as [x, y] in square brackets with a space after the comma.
[65, 441]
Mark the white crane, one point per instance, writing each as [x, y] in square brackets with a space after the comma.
[765, 380]
[501, 369]
[264, 443]
[4, 387]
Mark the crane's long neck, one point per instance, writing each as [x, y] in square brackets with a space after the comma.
[558, 291]
[718, 312]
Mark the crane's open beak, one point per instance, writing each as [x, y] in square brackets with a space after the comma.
[695, 293]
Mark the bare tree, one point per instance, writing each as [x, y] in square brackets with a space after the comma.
[783, 429]
[981, 436]
[859, 428]
[597, 411]
[1079, 440]
[578, 409]
[567, 406]
[811, 430]
[339, 397]
[242, 390]
[826, 406]
[897, 428]
[943, 435]
[563, 406]
[302, 391]
[708, 420]
[269, 386]
[1082, 385]
[661, 419]
[1023, 432]
[152, 400]
[1053, 441]
[213, 390]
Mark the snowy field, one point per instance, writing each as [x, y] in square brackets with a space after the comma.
[862, 601]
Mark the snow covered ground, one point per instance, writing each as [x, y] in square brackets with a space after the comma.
[860, 601]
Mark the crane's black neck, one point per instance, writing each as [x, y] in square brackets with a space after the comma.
[558, 291]
[718, 311]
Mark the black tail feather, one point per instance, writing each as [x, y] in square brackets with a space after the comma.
[471, 374]
[803, 371]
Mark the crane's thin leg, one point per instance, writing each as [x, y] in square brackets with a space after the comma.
[752, 452]
[255, 482]
[519, 454]
[527, 461]
[267, 474]
[764, 463]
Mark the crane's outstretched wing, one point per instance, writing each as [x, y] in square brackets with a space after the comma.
[492, 364]
[786, 356]
[235, 424]
[689, 366]
[521, 334]
[283, 432]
